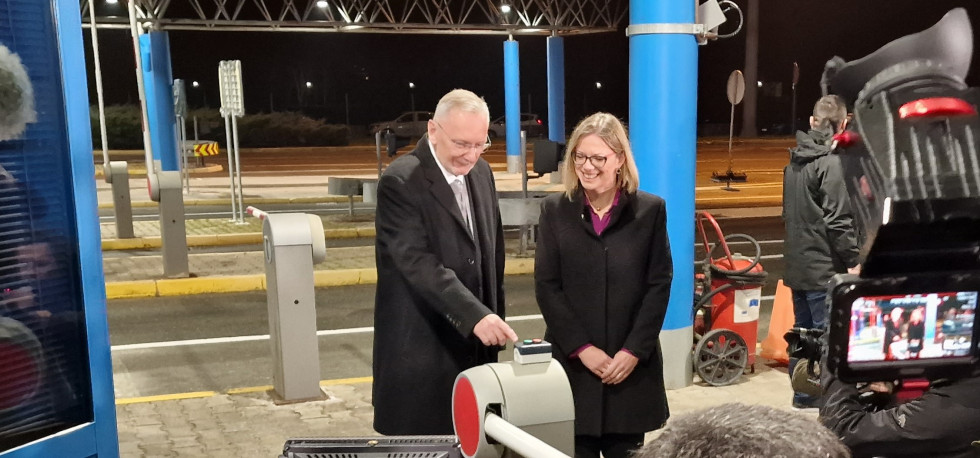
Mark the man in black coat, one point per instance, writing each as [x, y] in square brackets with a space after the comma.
[439, 304]
[820, 237]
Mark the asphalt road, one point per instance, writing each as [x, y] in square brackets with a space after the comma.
[217, 342]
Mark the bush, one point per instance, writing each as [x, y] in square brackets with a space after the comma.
[289, 129]
[124, 128]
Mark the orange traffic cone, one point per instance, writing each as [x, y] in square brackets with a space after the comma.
[780, 322]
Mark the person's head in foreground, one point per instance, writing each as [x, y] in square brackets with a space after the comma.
[736, 430]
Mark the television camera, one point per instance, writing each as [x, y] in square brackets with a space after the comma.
[912, 169]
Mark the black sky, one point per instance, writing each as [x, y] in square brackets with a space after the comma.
[373, 71]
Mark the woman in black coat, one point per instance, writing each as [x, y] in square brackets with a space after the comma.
[602, 279]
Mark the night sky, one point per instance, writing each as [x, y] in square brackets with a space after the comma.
[372, 71]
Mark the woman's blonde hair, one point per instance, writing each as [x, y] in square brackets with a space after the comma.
[613, 133]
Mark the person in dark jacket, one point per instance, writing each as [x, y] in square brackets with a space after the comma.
[820, 237]
[943, 422]
[439, 304]
[602, 279]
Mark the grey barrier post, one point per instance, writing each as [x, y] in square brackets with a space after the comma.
[293, 243]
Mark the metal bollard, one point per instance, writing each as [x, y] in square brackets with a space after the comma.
[293, 243]
[117, 174]
[166, 188]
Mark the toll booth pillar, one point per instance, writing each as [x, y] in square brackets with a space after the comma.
[512, 105]
[158, 81]
[556, 89]
[663, 118]
[293, 243]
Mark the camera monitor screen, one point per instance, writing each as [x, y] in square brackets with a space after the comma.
[932, 326]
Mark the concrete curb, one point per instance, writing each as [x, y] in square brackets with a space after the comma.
[256, 282]
[256, 201]
[252, 238]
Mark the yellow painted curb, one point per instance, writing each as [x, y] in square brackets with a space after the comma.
[369, 276]
[249, 238]
[129, 289]
[233, 391]
[340, 233]
[206, 285]
[519, 266]
[251, 389]
[340, 277]
[346, 381]
[165, 397]
[256, 282]
[253, 238]
[137, 243]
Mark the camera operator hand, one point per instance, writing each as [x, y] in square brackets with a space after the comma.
[945, 421]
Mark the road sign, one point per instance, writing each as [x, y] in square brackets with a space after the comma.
[736, 87]
[206, 149]
[180, 99]
[230, 86]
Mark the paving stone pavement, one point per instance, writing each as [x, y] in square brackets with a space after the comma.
[250, 424]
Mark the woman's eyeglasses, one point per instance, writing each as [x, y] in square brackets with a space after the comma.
[597, 160]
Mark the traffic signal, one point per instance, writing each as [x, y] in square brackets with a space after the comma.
[394, 142]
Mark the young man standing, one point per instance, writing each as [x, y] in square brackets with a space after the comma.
[820, 237]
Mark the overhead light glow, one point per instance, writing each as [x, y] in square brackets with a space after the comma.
[196, 84]
[505, 8]
[411, 85]
[321, 4]
[309, 84]
[112, 2]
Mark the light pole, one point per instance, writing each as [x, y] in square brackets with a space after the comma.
[411, 93]
[585, 98]
[204, 92]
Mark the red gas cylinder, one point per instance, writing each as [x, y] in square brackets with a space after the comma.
[737, 309]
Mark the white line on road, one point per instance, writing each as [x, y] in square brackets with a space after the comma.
[237, 339]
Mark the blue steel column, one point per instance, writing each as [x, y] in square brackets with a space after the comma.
[512, 105]
[556, 89]
[663, 115]
[159, 82]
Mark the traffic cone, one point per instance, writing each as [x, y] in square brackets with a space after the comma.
[780, 322]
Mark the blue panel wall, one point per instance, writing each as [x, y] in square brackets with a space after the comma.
[50, 260]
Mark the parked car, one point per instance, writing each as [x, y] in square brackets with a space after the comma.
[530, 123]
[408, 124]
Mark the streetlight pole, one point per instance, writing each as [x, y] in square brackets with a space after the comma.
[411, 93]
[792, 115]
